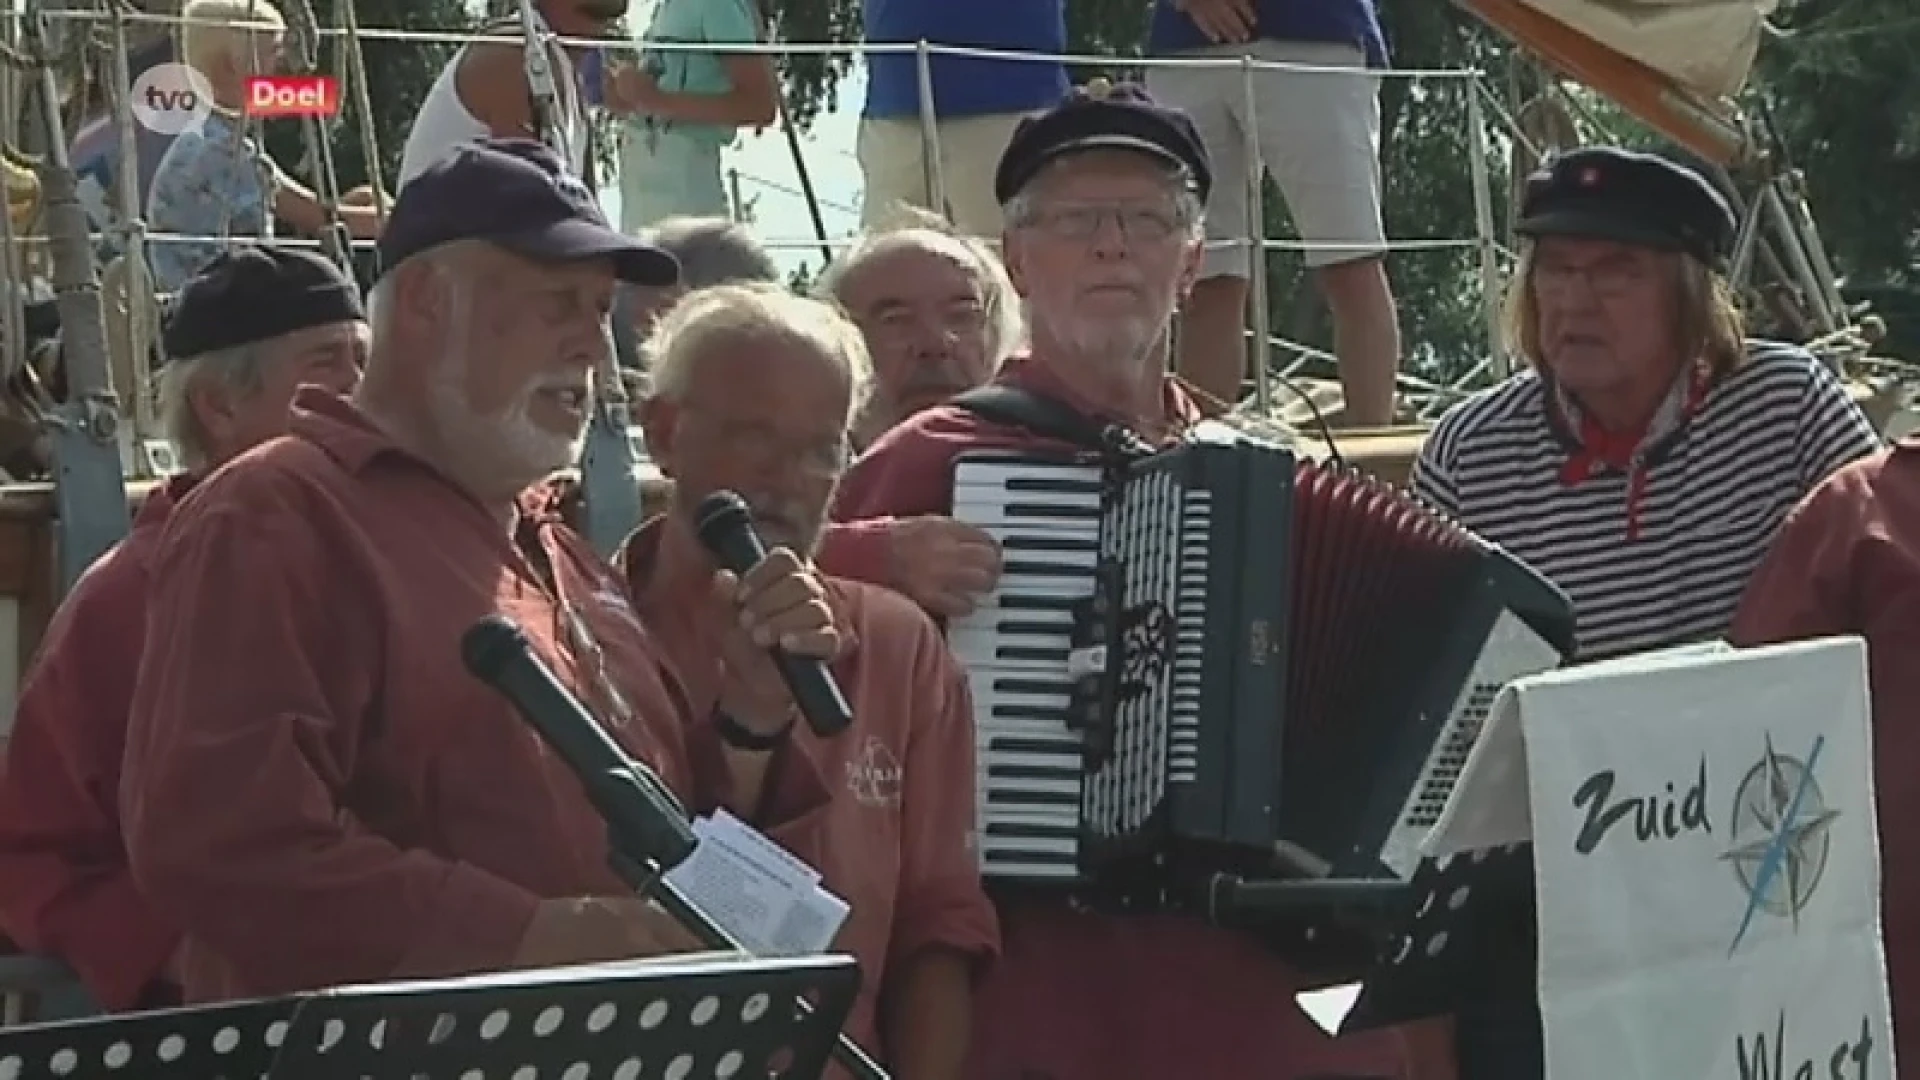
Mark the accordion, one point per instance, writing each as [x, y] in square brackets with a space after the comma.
[1220, 659]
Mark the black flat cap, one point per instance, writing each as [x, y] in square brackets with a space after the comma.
[1632, 198]
[253, 293]
[515, 193]
[1102, 116]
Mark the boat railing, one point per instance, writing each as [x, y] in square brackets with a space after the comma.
[1490, 129]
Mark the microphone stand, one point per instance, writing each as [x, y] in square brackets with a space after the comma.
[654, 838]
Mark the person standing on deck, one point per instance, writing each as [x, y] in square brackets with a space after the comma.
[483, 91]
[1318, 135]
[976, 102]
[213, 185]
[1103, 200]
[754, 391]
[315, 788]
[243, 334]
[682, 108]
[936, 309]
[1649, 455]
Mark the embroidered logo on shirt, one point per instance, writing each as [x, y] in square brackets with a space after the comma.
[873, 776]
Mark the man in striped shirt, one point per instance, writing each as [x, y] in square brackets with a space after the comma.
[1646, 459]
[1648, 456]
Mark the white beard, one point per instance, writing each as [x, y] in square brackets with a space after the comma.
[507, 445]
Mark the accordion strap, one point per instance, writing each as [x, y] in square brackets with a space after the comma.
[1013, 406]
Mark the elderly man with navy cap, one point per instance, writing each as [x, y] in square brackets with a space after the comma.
[380, 812]
[244, 333]
[1102, 198]
[1650, 452]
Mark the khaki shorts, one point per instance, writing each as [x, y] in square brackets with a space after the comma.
[1317, 133]
[896, 172]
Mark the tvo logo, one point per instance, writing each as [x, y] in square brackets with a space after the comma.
[171, 99]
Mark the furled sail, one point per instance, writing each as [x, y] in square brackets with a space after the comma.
[1675, 64]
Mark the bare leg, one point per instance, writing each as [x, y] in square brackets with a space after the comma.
[1366, 338]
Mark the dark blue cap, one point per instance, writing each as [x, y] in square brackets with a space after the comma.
[1103, 116]
[252, 293]
[517, 194]
[1632, 198]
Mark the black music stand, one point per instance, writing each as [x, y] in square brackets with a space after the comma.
[1468, 938]
[678, 1019]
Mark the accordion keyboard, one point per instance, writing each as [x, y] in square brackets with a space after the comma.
[1016, 646]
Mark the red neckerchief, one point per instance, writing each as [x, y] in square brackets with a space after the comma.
[1600, 450]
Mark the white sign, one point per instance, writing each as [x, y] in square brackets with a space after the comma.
[171, 99]
[1706, 862]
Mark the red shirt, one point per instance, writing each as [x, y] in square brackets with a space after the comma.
[315, 788]
[65, 889]
[1086, 996]
[1847, 561]
[897, 840]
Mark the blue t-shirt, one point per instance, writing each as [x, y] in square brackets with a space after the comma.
[966, 86]
[1342, 22]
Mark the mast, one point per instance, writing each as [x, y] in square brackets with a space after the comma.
[609, 487]
[89, 489]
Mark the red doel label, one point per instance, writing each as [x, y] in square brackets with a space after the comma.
[292, 95]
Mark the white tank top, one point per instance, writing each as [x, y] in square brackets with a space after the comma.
[444, 123]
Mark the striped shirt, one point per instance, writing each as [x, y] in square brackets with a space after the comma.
[1710, 501]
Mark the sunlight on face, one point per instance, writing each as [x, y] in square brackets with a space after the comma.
[504, 441]
[1106, 256]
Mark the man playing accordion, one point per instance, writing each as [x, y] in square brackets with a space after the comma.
[1102, 198]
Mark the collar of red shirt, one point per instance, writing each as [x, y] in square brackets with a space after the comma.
[336, 425]
[159, 503]
[637, 558]
[1593, 450]
[1179, 409]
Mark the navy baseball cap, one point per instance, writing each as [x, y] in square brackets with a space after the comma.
[1103, 116]
[517, 194]
[1630, 198]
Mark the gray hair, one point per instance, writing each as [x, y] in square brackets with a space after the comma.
[1191, 211]
[923, 230]
[235, 371]
[756, 312]
[713, 251]
[380, 296]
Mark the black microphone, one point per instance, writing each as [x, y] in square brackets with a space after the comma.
[725, 526]
[640, 809]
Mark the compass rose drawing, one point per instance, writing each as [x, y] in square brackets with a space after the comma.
[1780, 836]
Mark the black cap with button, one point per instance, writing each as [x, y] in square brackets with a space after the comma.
[1632, 198]
[1103, 116]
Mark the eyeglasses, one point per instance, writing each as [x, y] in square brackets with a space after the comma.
[1083, 221]
[1609, 278]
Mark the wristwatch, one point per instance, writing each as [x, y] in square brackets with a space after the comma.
[737, 735]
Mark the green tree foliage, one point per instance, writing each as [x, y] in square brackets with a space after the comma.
[1839, 84]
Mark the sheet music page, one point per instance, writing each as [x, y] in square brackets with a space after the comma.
[1489, 806]
[753, 888]
[737, 834]
[810, 925]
